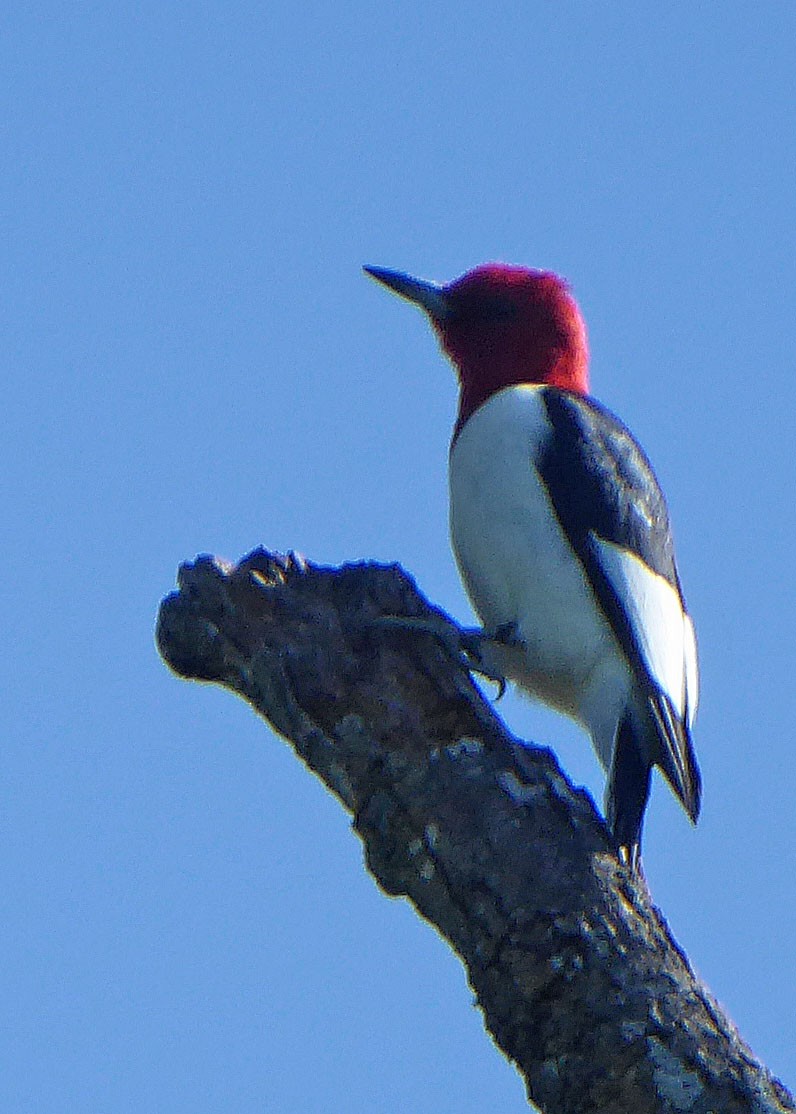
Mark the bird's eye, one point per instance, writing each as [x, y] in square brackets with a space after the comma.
[492, 310]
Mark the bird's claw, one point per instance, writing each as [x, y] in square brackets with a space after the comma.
[460, 642]
[471, 644]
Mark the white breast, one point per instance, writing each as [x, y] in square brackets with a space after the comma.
[518, 567]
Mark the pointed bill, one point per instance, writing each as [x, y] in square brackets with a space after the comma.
[430, 296]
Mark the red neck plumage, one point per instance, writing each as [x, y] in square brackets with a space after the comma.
[567, 370]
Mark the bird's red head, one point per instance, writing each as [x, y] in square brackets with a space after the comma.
[503, 325]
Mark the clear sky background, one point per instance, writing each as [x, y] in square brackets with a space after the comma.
[193, 361]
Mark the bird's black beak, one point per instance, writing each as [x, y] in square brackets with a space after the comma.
[430, 296]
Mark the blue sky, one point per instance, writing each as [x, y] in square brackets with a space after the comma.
[193, 362]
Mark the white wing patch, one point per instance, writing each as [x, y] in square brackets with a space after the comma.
[691, 670]
[665, 632]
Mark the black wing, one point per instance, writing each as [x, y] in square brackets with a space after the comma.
[602, 483]
[603, 489]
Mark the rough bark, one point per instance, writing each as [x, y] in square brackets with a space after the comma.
[579, 980]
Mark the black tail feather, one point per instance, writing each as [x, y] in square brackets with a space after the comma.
[628, 790]
[658, 738]
[675, 755]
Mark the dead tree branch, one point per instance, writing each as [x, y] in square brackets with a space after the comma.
[578, 977]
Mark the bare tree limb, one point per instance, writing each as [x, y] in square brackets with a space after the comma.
[578, 977]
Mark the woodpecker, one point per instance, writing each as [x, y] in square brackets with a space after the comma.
[561, 533]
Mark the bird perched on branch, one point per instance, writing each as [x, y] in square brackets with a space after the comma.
[562, 535]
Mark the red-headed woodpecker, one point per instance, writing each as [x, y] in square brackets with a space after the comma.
[562, 535]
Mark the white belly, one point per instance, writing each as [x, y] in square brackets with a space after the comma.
[518, 567]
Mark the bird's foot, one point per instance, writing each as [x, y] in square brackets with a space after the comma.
[478, 647]
[468, 644]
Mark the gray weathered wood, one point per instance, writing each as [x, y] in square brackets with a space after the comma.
[578, 977]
